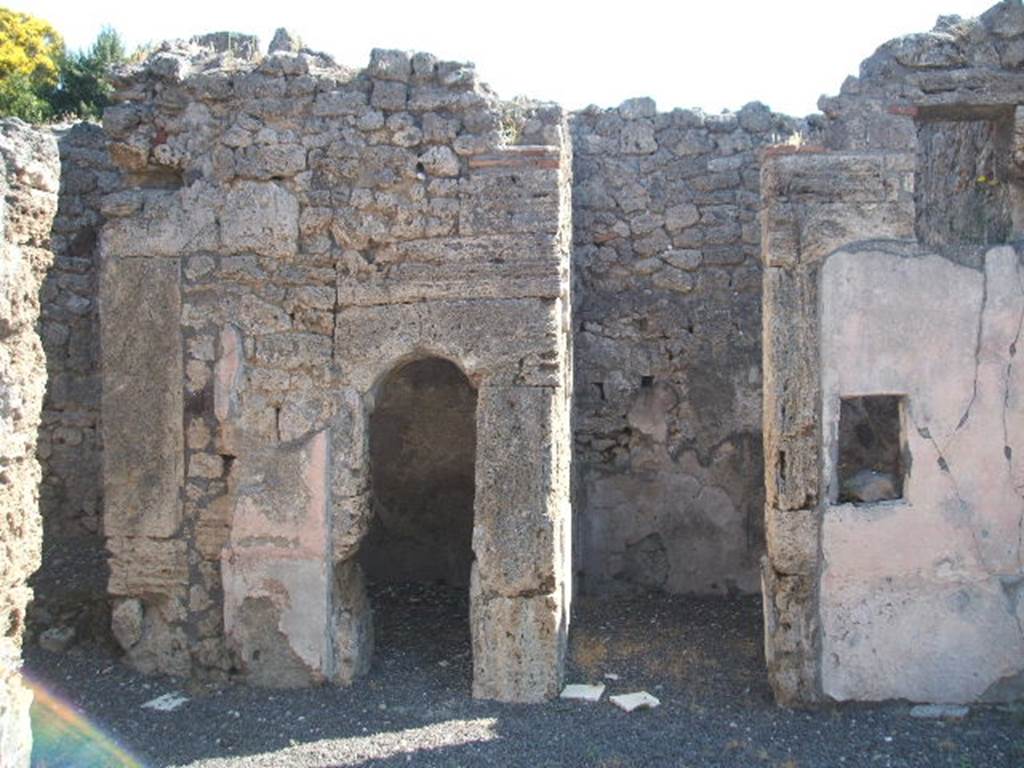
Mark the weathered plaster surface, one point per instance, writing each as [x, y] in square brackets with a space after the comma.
[922, 147]
[919, 597]
[279, 552]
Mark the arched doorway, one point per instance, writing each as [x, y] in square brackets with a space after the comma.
[417, 555]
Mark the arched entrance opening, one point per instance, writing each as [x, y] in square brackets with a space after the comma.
[417, 555]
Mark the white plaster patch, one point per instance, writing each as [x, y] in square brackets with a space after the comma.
[914, 602]
[628, 702]
[582, 692]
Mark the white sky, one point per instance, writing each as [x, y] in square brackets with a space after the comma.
[709, 54]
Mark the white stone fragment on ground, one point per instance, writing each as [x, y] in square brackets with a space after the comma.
[166, 703]
[631, 701]
[935, 711]
[582, 692]
[611, 676]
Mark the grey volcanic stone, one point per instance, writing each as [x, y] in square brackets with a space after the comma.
[284, 40]
[29, 184]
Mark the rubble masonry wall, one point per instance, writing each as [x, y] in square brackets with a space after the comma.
[667, 403]
[29, 185]
[295, 232]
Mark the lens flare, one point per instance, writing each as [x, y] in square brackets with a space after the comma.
[63, 737]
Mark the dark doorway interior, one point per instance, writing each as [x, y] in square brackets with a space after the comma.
[418, 553]
[422, 454]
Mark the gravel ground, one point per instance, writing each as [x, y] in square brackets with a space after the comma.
[701, 657]
[71, 589]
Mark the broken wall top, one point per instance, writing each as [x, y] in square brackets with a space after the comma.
[410, 174]
[185, 88]
[962, 69]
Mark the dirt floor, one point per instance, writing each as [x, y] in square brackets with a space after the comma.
[701, 657]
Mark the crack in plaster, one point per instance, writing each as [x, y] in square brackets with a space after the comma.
[1007, 451]
[947, 470]
[977, 359]
[1012, 610]
[940, 452]
[334, 324]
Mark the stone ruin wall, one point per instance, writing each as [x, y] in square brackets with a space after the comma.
[668, 347]
[70, 447]
[29, 185]
[289, 233]
[886, 274]
[666, 302]
[665, 206]
[668, 280]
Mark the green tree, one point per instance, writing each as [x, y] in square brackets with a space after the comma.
[84, 88]
[30, 53]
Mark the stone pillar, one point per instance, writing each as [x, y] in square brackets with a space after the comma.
[29, 186]
[813, 204]
[143, 457]
[519, 593]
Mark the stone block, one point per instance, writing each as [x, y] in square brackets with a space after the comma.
[259, 217]
[389, 95]
[387, 64]
[293, 350]
[791, 390]
[142, 403]
[146, 566]
[518, 647]
[792, 539]
[518, 484]
[126, 622]
[272, 161]
[352, 620]
[170, 224]
[506, 342]
[339, 103]
[511, 201]
[493, 266]
[163, 646]
[791, 636]
[815, 203]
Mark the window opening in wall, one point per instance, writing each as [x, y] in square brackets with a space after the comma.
[871, 459]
